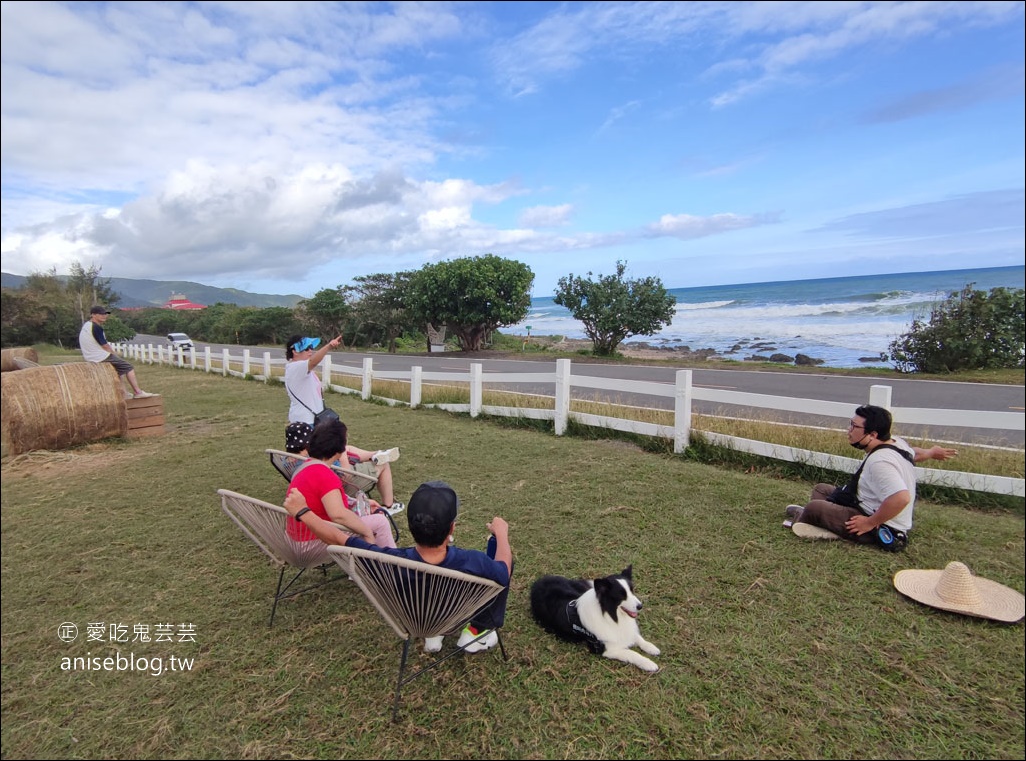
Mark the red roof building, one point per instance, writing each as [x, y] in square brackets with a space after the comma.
[179, 301]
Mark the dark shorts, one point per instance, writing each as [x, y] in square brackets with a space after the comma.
[122, 366]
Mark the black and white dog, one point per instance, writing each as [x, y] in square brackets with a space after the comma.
[602, 613]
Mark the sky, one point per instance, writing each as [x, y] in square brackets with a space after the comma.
[288, 147]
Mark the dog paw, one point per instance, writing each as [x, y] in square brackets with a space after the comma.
[651, 649]
[647, 665]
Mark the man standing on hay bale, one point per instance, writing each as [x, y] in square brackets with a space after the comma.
[93, 343]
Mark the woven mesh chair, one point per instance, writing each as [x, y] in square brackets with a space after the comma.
[266, 525]
[417, 600]
[287, 463]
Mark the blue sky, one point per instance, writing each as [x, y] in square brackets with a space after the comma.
[288, 147]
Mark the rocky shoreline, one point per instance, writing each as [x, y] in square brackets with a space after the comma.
[745, 350]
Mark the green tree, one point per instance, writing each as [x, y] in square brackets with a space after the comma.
[22, 318]
[472, 296]
[613, 308]
[84, 288]
[327, 311]
[969, 330]
[382, 304]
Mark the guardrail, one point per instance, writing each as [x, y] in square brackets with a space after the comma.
[682, 392]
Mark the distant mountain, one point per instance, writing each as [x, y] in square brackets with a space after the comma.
[155, 293]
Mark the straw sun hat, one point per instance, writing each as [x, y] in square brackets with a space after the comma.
[957, 590]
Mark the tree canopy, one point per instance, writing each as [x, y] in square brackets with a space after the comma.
[614, 308]
[472, 296]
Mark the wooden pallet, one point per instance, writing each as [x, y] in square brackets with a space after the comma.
[145, 417]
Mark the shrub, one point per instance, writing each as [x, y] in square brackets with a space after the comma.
[969, 330]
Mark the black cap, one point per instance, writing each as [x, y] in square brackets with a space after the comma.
[99, 310]
[434, 504]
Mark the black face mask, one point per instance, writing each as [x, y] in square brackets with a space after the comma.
[858, 444]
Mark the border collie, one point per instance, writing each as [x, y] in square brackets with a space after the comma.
[601, 613]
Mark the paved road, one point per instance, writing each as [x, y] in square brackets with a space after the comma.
[906, 392]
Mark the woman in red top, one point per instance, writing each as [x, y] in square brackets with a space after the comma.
[321, 487]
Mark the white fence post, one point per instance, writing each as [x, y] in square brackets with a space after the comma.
[267, 366]
[225, 361]
[245, 362]
[416, 380]
[148, 357]
[476, 371]
[368, 378]
[562, 411]
[206, 359]
[880, 396]
[192, 358]
[326, 372]
[181, 357]
[682, 411]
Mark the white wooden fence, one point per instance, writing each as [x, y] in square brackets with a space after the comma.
[682, 392]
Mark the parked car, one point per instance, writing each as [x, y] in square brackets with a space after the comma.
[179, 339]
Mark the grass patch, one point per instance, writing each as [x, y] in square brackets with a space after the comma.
[772, 647]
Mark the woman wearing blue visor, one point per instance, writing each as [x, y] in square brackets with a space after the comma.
[306, 399]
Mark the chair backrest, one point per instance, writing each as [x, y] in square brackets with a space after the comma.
[416, 599]
[287, 464]
[266, 525]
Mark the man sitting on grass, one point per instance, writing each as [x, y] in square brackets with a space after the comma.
[876, 505]
[432, 513]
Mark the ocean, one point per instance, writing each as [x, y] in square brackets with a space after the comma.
[841, 320]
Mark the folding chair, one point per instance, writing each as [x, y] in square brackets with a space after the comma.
[417, 600]
[265, 525]
[287, 464]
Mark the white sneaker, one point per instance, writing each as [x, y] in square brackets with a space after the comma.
[385, 456]
[396, 508]
[487, 642]
[433, 644]
[145, 395]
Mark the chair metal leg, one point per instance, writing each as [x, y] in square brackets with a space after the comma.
[399, 681]
[277, 596]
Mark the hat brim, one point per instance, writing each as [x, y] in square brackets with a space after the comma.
[809, 531]
[998, 602]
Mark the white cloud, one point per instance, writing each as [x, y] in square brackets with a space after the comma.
[689, 227]
[546, 216]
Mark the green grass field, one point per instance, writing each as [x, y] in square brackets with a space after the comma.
[772, 647]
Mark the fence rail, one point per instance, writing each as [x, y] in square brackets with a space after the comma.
[563, 380]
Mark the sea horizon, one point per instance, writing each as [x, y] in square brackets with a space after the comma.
[843, 321]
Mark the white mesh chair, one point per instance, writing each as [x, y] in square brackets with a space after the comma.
[265, 524]
[286, 463]
[417, 600]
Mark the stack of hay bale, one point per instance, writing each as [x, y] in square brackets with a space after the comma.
[59, 406]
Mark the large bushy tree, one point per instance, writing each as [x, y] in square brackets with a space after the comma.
[472, 296]
[971, 329]
[613, 308]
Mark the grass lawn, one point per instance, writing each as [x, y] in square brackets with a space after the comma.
[772, 647]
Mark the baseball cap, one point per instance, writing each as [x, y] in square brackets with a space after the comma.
[306, 343]
[99, 310]
[434, 504]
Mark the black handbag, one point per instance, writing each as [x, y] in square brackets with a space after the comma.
[326, 415]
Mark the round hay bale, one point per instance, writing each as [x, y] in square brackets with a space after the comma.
[8, 357]
[58, 406]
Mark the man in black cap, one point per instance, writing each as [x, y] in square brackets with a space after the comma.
[431, 514]
[93, 343]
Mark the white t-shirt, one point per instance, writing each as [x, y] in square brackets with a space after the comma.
[92, 351]
[887, 473]
[307, 387]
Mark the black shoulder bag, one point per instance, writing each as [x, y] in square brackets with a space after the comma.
[326, 414]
